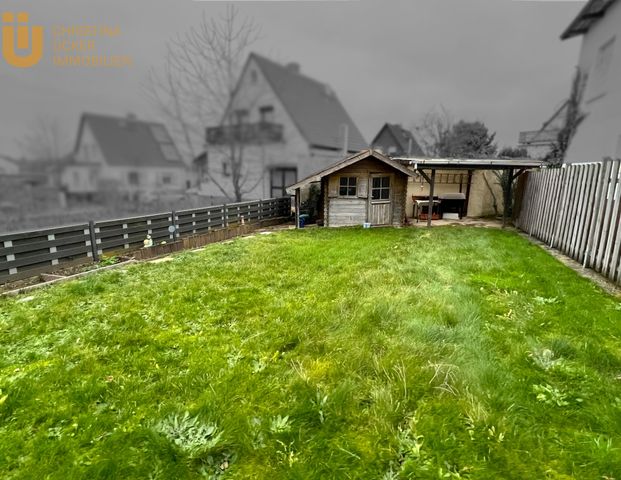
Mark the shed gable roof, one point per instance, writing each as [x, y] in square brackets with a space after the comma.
[130, 142]
[316, 177]
[313, 106]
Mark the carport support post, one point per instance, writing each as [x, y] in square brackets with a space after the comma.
[431, 188]
[297, 208]
[507, 194]
[470, 172]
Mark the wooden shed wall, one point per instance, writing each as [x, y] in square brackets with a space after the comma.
[339, 211]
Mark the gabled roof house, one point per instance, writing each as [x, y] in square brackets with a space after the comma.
[292, 125]
[133, 157]
[393, 139]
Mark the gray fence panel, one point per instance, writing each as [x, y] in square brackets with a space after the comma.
[577, 209]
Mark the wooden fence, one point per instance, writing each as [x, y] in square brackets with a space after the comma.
[27, 254]
[576, 209]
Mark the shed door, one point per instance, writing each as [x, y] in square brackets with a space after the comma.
[380, 200]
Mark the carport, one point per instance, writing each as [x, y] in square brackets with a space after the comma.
[427, 168]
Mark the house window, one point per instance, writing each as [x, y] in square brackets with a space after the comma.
[267, 114]
[347, 187]
[253, 76]
[132, 178]
[241, 115]
[380, 189]
[280, 179]
[225, 169]
[166, 179]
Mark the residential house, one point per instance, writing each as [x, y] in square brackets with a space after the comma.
[539, 143]
[599, 134]
[286, 126]
[393, 139]
[132, 158]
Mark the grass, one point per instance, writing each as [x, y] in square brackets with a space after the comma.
[349, 353]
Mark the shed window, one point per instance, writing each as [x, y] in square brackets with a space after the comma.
[381, 188]
[347, 187]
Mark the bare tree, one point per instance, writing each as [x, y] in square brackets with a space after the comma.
[195, 85]
[433, 131]
[45, 139]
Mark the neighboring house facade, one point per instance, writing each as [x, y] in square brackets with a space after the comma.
[539, 143]
[129, 157]
[288, 126]
[393, 139]
[599, 134]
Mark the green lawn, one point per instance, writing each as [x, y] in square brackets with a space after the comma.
[347, 353]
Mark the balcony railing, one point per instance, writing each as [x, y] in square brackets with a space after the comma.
[538, 137]
[250, 133]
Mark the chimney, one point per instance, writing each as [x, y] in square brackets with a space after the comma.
[293, 67]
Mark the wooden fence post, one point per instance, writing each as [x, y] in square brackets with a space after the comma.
[91, 231]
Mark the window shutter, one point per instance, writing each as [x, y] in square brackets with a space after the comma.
[363, 187]
[333, 186]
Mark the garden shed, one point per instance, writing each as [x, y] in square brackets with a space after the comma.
[366, 187]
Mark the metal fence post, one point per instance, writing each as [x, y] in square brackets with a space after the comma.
[173, 223]
[91, 230]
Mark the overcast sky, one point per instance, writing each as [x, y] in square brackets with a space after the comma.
[498, 61]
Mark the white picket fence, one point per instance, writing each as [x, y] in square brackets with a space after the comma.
[576, 209]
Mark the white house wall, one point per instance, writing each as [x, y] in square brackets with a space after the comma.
[599, 134]
[293, 152]
[88, 150]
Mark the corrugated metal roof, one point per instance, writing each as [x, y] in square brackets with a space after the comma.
[127, 141]
[470, 163]
[590, 13]
[313, 106]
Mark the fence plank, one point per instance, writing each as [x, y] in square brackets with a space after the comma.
[587, 209]
[611, 244]
[609, 204]
[558, 224]
[598, 214]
